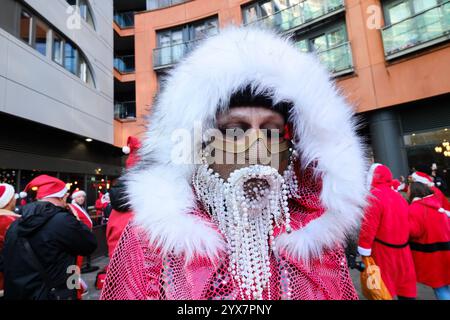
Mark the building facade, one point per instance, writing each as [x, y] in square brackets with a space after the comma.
[57, 93]
[391, 59]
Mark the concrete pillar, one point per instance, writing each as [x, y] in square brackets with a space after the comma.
[387, 141]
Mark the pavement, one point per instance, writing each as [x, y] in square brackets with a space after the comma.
[423, 292]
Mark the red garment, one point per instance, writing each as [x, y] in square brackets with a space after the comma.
[441, 198]
[114, 228]
[134, 144]
[6, 219]
[386, 220]
[86, 219]
[82, 214]
[430, 241]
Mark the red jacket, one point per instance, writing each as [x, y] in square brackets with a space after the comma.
[114, 228]
[384, 235]
[6, 219]
[430, 241]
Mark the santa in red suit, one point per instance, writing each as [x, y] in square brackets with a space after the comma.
[78, 208]
[226, 204]
[430, 239]
[428, 181]
[7, 217]
[385, 232]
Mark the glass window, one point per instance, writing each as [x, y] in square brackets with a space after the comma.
[420, 5]
[398, 12]
[25, 26]
[58, 45]
[266, 9]
[85, 72]
[250, 14]
[84, 10]
[70, 58]
[319, 43]
[426, 148]
[336, 37]
[40, 42]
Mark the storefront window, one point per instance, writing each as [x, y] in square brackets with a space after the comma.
[8, 176]
[425, 148]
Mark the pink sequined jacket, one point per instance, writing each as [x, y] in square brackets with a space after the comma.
[140, 271]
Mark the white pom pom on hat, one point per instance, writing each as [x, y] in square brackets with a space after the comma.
[126, 149]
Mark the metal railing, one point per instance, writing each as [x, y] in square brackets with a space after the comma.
[299, 14]
[413, 33]
[159, 4]
[337, 59]
[125, 110]
[124, 64]
[169, 55]
[124, 19]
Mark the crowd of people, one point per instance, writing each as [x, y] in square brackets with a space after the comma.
[406, 230]
[43, 243]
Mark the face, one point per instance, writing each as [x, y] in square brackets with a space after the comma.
[255, 135]
[80, 200]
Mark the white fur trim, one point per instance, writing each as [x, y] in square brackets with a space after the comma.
[416, 178]
[7, 195]
[59, 194]
[78, 193]
[442, 210]
[370, 174]
[160, 190]
[165, 212]
[23, 194]
[364, 252]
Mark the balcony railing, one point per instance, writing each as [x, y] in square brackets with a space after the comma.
[300, 14]
[159, 4]
[124, 64]
[124, 19]
[167, 56]
[424, 29]
[338, 59]
[125, 111]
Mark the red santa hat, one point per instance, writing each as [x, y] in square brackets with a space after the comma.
[133, 145]
[422, 178]
[78, 193]
[6, 194]
[48, 187]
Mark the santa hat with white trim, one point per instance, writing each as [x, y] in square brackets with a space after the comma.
[78, 193]
[47, 187]
[6, 194]
[422, 178]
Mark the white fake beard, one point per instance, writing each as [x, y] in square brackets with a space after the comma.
[247, 221]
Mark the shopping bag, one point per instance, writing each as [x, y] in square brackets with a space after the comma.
[372, 285]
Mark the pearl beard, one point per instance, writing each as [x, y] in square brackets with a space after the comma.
[247, 222]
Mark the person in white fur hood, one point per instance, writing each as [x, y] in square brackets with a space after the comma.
[258, 204]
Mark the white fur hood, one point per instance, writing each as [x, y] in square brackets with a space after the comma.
[160, 189]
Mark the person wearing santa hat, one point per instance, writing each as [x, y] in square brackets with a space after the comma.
[7, 217]
[424, 178]
[77, 205]
[430, 239]
[270, 225]
[41, 247]
[384, 234]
